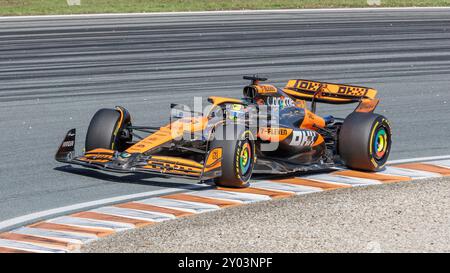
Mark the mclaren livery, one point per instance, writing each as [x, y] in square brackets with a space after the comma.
[270, 130]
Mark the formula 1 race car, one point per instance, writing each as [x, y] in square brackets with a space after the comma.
[270, 130]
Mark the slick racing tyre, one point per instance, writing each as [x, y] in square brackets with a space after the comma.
[365, 141]
[238, 155]
[106, 130]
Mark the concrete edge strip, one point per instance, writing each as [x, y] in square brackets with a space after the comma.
[223, 12]
[202, 195]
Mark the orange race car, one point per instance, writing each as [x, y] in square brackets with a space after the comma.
[270, 130]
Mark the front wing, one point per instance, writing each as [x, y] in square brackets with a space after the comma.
[114, 161]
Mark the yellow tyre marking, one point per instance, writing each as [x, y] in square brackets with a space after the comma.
[371, 138]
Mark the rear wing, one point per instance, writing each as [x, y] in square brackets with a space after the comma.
[328, 92]
[333, 93]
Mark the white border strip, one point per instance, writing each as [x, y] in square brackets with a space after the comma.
[222, 12]
[52, 213]
[430, 158]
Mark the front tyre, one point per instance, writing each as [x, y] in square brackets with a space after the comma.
[105, 130]
[365, 141]
[238, 155]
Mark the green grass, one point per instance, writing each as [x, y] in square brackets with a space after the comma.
[34, 7]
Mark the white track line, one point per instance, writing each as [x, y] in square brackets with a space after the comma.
[224, 12]
[417, 159]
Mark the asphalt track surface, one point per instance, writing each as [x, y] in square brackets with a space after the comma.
[56, 72]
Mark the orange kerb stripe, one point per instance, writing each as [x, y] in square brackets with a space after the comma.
[12, 250]
[112, 218]
[310, 183]
[199, 199]
[384, 178]
[146, 207]
[75, 229]
[426, 167]
[37, 240]
[272, 194]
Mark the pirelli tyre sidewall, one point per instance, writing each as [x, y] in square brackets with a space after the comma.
[104, 128]
[365, 141]
[238, 158]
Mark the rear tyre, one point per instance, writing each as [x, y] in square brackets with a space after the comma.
[105, 130]
[238, 155]
[365, 141]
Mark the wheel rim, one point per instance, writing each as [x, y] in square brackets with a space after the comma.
[381, 143]
[245, 158]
